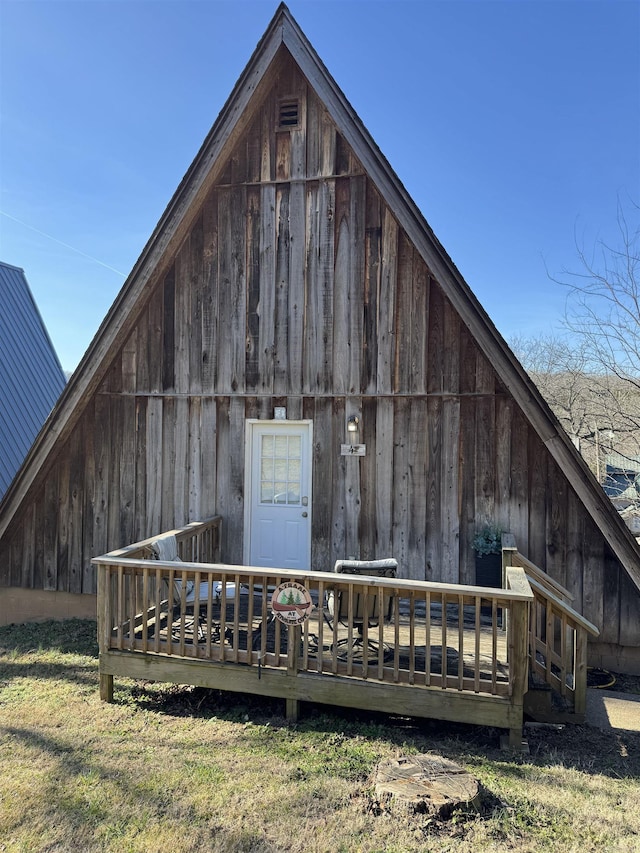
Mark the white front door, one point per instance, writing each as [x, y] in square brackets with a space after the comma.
[278, 490]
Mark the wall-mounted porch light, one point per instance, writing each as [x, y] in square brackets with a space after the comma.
[353, 424]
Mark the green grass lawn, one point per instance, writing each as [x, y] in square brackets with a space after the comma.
[184, 769]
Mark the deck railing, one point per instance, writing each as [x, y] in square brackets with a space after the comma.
[558, 634]
[427, 649]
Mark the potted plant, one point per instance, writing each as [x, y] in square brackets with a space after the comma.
[487, 543]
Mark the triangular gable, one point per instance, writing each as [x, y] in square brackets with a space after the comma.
[283, 32]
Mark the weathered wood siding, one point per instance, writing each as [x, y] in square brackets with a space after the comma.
[296, 287]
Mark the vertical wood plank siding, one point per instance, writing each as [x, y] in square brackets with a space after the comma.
[296, 287]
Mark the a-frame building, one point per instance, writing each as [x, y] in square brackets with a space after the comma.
[292, 290]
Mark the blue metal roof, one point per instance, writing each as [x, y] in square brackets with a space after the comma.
[31, 378]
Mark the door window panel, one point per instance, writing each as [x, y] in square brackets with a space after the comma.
[280, 469]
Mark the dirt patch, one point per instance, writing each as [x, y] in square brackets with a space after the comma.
[625, 683]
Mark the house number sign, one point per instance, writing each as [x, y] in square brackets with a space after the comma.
[353, 450]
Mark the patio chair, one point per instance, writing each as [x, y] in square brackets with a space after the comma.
[165, 548]
[338, 601]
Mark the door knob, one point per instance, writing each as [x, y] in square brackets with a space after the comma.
[305, 514]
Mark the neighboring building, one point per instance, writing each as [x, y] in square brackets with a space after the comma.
[622, 477]
[31, 378]
[291, 302]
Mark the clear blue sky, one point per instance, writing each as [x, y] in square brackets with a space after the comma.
[515, 126]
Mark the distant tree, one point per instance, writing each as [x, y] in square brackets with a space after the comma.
[591, 377]
[579, 398]
[603, 308]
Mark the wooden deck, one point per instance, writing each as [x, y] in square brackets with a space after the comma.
[448, 652]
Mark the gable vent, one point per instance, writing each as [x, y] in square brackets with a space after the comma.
[289, 114]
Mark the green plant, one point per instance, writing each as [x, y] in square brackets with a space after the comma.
[488, 540]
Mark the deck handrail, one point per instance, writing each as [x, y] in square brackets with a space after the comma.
[576, 619]
[558, 634]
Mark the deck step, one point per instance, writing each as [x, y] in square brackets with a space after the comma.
[543, 704]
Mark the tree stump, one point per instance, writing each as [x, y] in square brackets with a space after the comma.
[427, 784]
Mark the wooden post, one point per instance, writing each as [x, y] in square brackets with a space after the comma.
[518, 651]
[104, 622]
[508, 550]
[106, 687]
[293, 651]
[580, 673]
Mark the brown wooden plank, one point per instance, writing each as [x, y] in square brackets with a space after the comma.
[357, 202]
[449, 491]
[368, 488]
[296, 283]
[436, 340]
[282, 285]
[194, 478]
[140, 470]
[75, 508]
[338, 486]
[167, 462]
[467, 487]
[318, 358]
[253, 150]
[324, 461]
[352, 491]
[25, 560]
[298, 163]
[556, 497]
[168, 330]
[209, 459]
[386, 304]
[254, 308]
[283, 156]
[575, 540]
[181, 452]
[210, 296]
[417, 473]
[384, 477]
[150, 360]
[182, 307]
[342, 296]
[267, 142]
[62, 543]
[128, 363]
[519, 498]
[144, 331]
[538, 462]
[154, 444]
[89, 580]
[485, 444]
[451, 364]
[629, 613]
[372, 267]
[182, 317]
[196, 294]
[399, 492]
[433, 543]
[504, 417]
[38, 542]
[102, 457]
[225, 293]
[266, 337]
[593, 576]
[404, 319]
[419, 322]
[126, 449]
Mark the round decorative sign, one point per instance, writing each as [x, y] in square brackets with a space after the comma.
[291, 603]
